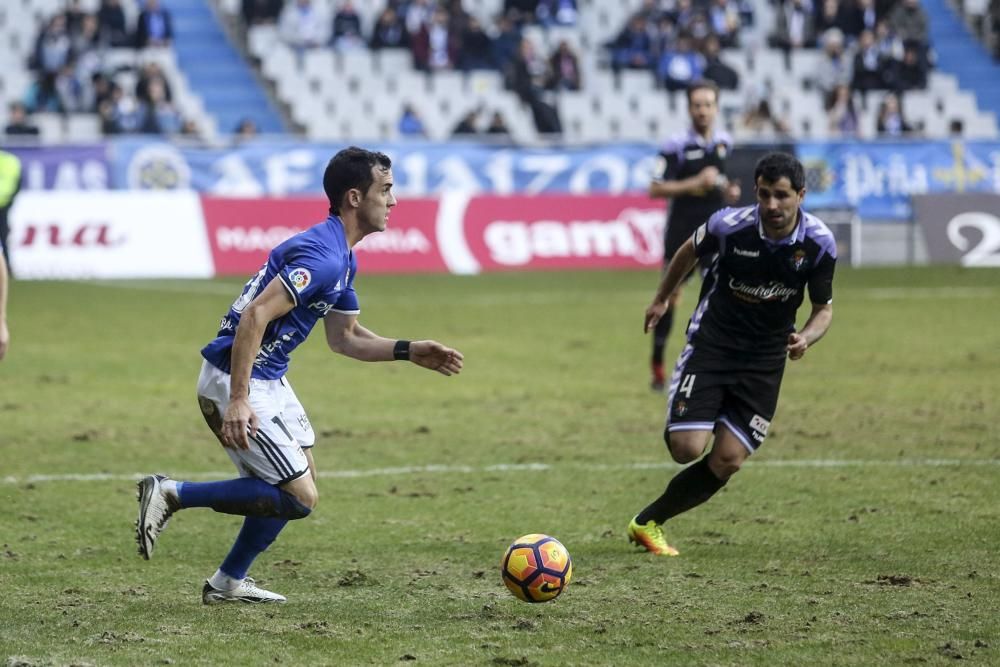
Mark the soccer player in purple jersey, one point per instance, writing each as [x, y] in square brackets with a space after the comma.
[244, 394]
[691, 173]
[727, 378]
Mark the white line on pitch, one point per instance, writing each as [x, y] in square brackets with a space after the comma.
[519, 467]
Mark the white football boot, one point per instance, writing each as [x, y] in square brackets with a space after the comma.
[247, 591]
[155, 508]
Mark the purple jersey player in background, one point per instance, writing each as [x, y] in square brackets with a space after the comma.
[727, 378]
[691, 173]
[244, 394]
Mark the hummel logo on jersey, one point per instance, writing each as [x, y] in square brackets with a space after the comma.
[746, 253]
[760, 424]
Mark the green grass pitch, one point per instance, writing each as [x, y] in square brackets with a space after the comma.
[865, 532]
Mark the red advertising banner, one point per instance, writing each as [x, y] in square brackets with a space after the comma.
[456, 233]
[242, 231]
[564, 232]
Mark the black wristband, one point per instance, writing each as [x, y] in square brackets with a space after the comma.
[401, 351]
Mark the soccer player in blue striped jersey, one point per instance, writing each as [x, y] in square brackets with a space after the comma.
[727, 378]
[242, 389]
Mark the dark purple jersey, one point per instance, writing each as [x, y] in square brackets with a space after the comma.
[748, 309]
[685, 155]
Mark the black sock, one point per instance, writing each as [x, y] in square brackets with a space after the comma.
[688, 489]
[660, 334]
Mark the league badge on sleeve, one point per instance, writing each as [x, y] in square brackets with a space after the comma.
[300, 278]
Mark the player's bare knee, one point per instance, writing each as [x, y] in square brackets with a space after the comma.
[304, 491]
[724, 465]
[683, 448]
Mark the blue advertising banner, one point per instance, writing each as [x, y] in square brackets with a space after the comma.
[290, 168]
[63, 167]
[878, 178]
[875, 178]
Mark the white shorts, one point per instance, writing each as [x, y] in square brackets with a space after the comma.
[275, 453]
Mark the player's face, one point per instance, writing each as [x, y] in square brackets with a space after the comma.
[703, 108]
[373, 214]
[779, 205]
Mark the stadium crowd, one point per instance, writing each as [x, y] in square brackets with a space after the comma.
[866, 45]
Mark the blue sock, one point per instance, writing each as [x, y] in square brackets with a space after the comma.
[255, 536]
[245, 496]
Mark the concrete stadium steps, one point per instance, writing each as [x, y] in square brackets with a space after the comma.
[216, 72]
[960, 53]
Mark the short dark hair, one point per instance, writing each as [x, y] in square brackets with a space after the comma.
[775, 165]
[703, 84]
[349, 169]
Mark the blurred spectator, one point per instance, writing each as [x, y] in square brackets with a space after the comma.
[994, 27]
[831, 14]
[303, 25]
[410, 124]
[835, 67]
[69, 90]
[118, 113]
[151, 72]
[74, 16]
[52, 52]
[498, 126]
[633, 48]
[260, 12]
[111, 23]
[190, 129]
[842, 117]
[760, 121]
[664, 35]
[687, 19]
[527, 76]
[154, 27]
[556, 12]
[157, 115]
[418, 14]
[98, 92]
[890, 121]
[680, 66]
[18, 123]
[521, 11]
[793, 27]
[475, 47]
[467, 126]
[887, 43]
[908, 21]
[506, 42]
[910, 73]
[245, 130]
[859, 15]
[724, 21]
[715, 70]
[871, 67]
[564, 68]
[347, 28]
[389, 31]
[435, 46]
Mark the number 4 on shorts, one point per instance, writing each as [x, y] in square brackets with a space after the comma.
[687, 384]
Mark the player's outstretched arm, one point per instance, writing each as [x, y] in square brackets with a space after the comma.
[679, 266]
[346, 336]
[815, 327]
[272, 303]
